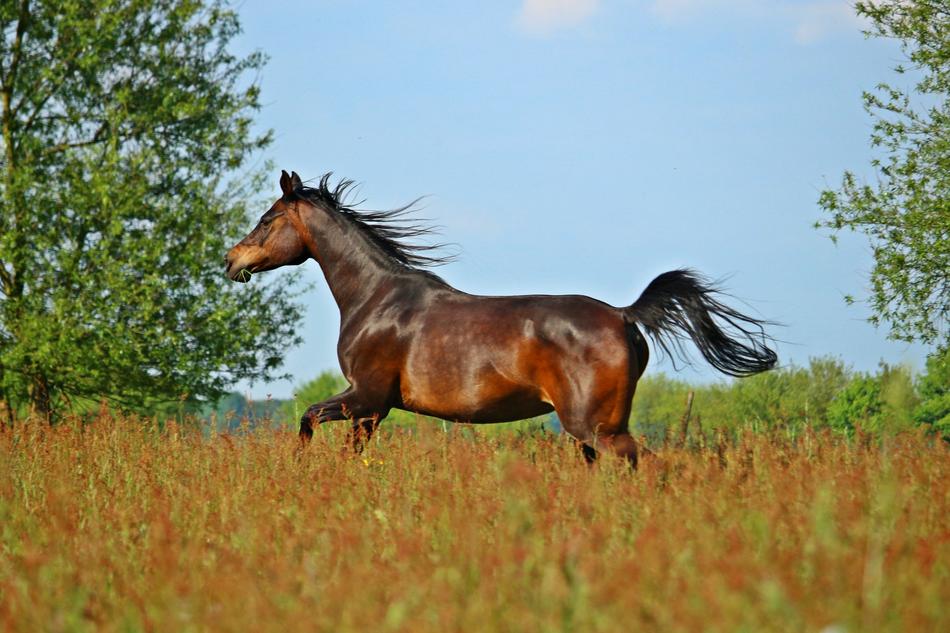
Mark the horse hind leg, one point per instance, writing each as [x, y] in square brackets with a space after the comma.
[622, 445]
[589, 452]
[611, 437]
[601, 428]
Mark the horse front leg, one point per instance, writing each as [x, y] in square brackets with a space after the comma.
[325, 411]
[365, 413]
[316, 414]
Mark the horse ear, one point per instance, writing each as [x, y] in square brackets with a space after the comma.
[295, 181]
[285, 183]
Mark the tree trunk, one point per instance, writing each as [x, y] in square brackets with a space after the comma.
[40, 399]
[6, 409]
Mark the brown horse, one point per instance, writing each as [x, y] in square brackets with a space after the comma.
[411, 341]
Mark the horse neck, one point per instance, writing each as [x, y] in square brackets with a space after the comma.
[353, 267]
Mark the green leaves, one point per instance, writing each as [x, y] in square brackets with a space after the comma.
[881, 403]
[934, 390]
[124, 125]
[906, 215]
[825, 394]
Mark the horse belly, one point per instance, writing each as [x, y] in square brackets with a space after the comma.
[507, 407]
[468, 389]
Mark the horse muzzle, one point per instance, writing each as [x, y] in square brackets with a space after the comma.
[235, 269]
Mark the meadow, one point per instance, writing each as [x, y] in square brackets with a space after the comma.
[119, 525]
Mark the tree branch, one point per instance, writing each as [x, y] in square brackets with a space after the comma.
[17, 51]
[97, 138]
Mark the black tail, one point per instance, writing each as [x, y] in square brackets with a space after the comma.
[681, 303]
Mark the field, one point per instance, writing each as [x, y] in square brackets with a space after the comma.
[119, 526]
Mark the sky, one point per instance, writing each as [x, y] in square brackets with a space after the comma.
[585, 146]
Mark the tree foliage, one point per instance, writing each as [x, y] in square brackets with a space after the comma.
[906, 212]
[934, 389]
[823, 395]
[875, 403]
[124, 126]
[788, 398]
[327, 383]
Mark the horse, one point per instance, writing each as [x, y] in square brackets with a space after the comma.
[409, 340]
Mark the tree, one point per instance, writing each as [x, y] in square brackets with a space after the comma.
[327, 384]
[124, 124]
[934, 389]
[788, 398]
[880, 403]
[906, 213]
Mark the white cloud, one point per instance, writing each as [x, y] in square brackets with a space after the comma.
[814, 20]
[809, 20]
[547, 16]
[675, 10]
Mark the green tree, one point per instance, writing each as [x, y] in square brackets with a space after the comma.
[657, 404]
[327, 383]
[934, 389]
[788, 398]
[859, 404]
[125, 124]
[906, 212]
[791, 397]
[879, 403]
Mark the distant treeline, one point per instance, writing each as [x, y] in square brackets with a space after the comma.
[234, 411]
[825, 394]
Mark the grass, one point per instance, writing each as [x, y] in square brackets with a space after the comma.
[117, 526]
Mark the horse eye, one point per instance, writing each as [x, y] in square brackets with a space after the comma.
[268, 220]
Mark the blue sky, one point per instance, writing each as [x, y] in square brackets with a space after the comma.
[585, 146]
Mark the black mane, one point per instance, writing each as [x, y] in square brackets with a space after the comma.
[388, 230]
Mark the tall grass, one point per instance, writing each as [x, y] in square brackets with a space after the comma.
[118, 526]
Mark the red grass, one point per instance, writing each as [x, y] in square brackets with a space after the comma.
[118, 527]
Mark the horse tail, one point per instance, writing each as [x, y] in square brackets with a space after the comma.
[682, 304]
